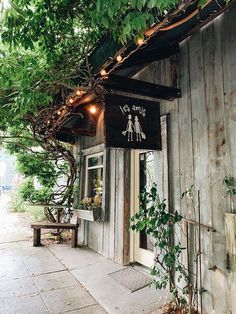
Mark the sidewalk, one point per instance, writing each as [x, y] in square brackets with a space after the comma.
[58, 279]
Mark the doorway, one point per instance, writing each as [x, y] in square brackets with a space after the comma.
[147, 167]
[142, 177]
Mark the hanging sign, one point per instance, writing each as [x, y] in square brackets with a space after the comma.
[132, 123]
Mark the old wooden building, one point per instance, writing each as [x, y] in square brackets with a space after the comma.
[194, 56]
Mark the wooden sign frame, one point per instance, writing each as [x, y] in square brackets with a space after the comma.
[132, 123]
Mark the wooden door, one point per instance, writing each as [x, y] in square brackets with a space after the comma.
[148, 167]
[143, 168]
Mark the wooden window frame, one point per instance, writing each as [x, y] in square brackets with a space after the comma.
[85, 154]
[87, 168]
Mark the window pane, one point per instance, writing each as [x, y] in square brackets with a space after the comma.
[146, 166]
[95, 161]
[146, 179]
[94, 183]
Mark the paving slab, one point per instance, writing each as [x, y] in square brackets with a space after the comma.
[67, 299]
[23, 305]
[76, 257]
[17, 287]
[56, 280]
[17, 248]
[43, 261]
[12, 267]
[94, 309]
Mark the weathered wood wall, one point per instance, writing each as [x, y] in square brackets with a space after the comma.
[203, 145]
[106, 237]
[202, 151]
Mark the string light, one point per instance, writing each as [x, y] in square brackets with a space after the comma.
[59, 112]
[79, 92]
[103, 72]
[93, 109]
[140, 41]
[71, 100]
[49, 121]
[119, 58]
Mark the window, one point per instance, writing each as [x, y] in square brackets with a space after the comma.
[94, 178]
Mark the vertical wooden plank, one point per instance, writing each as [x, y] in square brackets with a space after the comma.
[92, 235]
[99, 225]
[119, 206]
[228, 29]
[186, 163]
[112, 185]
[200, 157]
[185, 170]
[106, 198]
[228, 39]
[126, 208]
[216, 154]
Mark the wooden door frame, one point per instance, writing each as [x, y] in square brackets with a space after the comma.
[126, 207]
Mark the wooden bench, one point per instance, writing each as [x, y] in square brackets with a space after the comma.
[51, 225]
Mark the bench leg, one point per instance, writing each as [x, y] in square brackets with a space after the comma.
[37, 236]
[74, 238]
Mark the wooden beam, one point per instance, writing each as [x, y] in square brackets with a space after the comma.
[125, 84]
[77, 131]
[146, 56]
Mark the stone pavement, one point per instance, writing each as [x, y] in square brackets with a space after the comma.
[33, 280]
[58, 279]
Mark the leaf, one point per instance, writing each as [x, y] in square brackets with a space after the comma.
[127, 29]
[139, 4]
[151, 4]
[202, 2]
[105, 22]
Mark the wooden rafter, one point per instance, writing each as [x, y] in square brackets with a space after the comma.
[126, 84]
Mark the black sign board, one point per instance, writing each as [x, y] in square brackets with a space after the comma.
[132, 123]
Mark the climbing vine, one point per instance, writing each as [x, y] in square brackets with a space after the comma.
[157, 222]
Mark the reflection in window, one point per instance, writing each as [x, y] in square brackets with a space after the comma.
[94, 178]
[146, 179]
[146, 166]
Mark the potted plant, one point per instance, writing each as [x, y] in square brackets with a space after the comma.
[90, 208]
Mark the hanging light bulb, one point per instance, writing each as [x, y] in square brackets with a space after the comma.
[119, 58]
[103, 72]
[140, 41]
[93, 109]
[79, 92]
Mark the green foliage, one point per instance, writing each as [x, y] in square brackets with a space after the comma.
[230, 184]
[38, 165]
[44, 45]
[29, 193]
[157, 222]
[32, 165]
[18, 205]
[42, 55]
[128, 19]
[36, 212]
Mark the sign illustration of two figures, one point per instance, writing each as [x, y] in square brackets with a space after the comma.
[133, 130]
